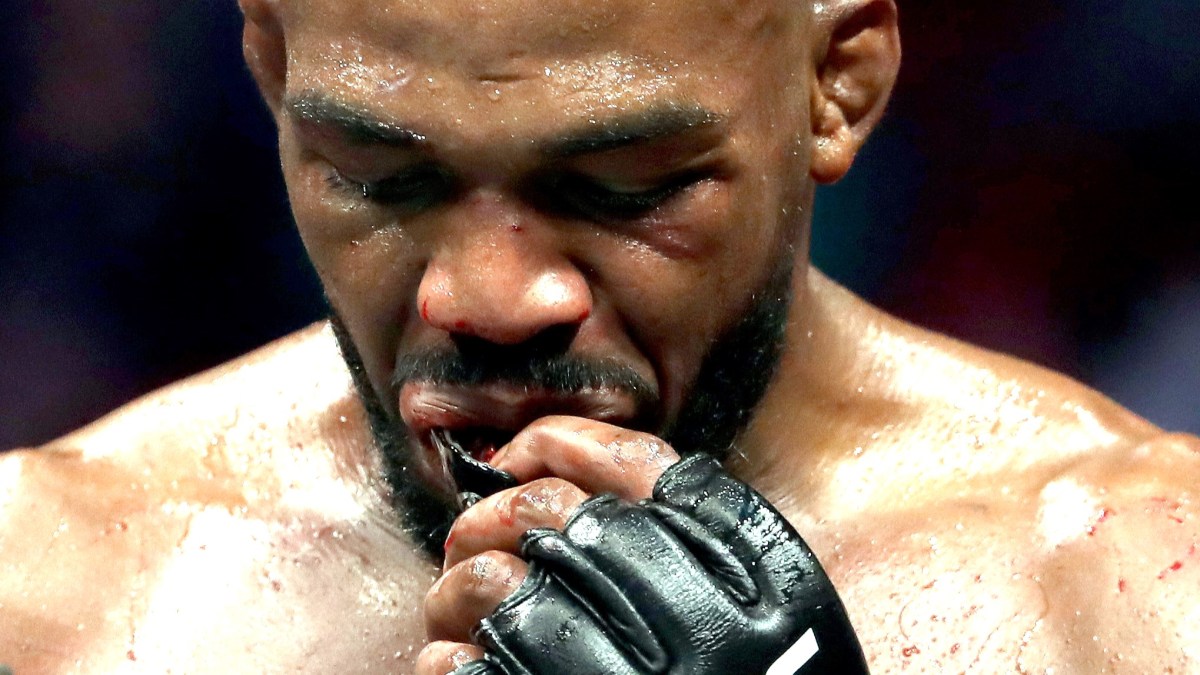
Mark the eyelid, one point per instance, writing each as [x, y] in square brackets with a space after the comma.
[667, 185]
[338, 180]
[581, 195]
[403, 189]
[629, 188]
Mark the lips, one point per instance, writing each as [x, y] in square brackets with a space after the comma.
[484, 418]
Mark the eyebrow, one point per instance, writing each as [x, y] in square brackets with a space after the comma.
[623, 130]
[355, 125]
[632, 128]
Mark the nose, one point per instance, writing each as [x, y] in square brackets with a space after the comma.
[503, 282]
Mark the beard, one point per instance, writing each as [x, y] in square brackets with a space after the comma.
[733, 377]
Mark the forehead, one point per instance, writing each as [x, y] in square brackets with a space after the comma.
[483, 30]
[595, 49]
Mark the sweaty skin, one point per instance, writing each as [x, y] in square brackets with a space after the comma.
[975, 512]
[617, 180]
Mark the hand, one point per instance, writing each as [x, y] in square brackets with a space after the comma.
[560, 463]
[705, 578]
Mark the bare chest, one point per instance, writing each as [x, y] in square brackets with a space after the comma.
[223, 593]
[967, 591]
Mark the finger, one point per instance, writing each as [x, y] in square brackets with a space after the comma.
[597, 457]
[470, 591]
[440, 658]
[497, 522]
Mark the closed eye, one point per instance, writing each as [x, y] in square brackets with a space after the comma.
[414, 189]
[577, 195]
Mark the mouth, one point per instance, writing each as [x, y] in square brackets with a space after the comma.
[477, 421]
[479, 443]
[470, 477]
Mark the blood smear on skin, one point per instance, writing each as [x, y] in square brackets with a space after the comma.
[1175, 567]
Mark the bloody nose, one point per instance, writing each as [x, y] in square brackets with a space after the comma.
[502, 289]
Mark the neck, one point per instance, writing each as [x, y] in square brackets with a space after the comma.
[792, 442]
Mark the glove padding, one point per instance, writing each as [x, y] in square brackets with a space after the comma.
[705, 578]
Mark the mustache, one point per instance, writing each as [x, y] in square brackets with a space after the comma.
[558, 373]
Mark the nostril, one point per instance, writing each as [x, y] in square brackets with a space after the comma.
[548, 343]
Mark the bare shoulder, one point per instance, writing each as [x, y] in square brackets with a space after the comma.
[283, 395]
[1012, 518]
[278, 420]
[957, 387]
[67, 553]
[213, 468]
[1120, 539]
[1091, 568]
[911, 406]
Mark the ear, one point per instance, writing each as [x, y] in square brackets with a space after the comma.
[855, 75]
[264, 49]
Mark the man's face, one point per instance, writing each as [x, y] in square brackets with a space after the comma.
[590, 194]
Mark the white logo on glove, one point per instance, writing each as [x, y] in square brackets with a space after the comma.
[796, 656]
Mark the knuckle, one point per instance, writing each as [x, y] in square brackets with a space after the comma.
[538, 434]
[558, 430]
[430, 659]
[524, 506]
[636, 453]
[444, 657]
[647, 449]
[544, 499]
[538, 492]
[488, 576]
[471, 586]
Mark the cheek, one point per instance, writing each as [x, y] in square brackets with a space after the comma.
[675, 311]
[684, 279]
[370, 270]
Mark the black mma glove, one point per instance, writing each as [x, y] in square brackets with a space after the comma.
[705, 578]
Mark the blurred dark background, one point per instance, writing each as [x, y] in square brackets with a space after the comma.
[1033, 189]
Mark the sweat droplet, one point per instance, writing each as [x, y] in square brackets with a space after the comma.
[494, 95]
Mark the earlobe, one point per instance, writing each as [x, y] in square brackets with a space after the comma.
[854, 80]
[264, 49]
